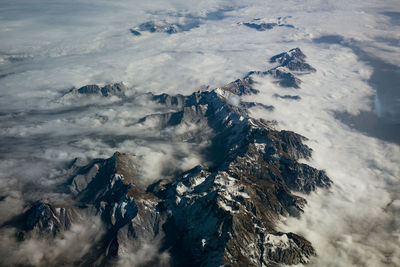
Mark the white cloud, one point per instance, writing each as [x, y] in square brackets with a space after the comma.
[50, 46]
[354, 224]
[147, 254]
[64, 249]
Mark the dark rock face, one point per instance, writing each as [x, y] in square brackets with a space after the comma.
[49, 219]
[285, 78]
[291, 64]
[160, 27]
[293, 97]
[241, 86]
[45, 220]
[116, 89]
[89, 89]
[135, 32]
[224, 213]
[293, 60]
[262, 25]
[163, 26]
[247, 105]
[112, 188]
[170, 100]
[289, 249]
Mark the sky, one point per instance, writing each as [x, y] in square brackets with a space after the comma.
[49, 47]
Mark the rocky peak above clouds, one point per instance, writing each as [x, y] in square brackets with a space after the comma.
[291, 65]
[294, 60]
[152, 27]
[266, 24]
[221, 212]
[116, 89]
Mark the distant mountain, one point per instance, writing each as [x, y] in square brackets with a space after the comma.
[165, 27]
[116, 89]
[222, 213]
[266, 24]
[290, 63]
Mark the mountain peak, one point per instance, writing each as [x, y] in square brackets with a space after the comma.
[294, 60]
[115, 89]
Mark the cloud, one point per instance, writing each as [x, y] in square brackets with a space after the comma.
[44, 52]
[147, 254]
[354, 224]
[64, 249]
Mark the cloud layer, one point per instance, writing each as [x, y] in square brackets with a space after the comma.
[49, 47]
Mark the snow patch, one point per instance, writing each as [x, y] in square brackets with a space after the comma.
[275, 241]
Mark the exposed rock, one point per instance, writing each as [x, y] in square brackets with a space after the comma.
[260, 26]
[116, 89]
[166, 27]
[135, 32]
[114, 190]
[291, 64]
[112, 186]
[293, 60]
[170, 100]
[49, 219]
[284, 78]
[286, 248]
[151, 26]
[293, 97]
[247, 105]
[45, 220]
[241, 86]
[265, 24]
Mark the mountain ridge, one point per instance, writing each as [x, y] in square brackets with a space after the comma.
[223, 213]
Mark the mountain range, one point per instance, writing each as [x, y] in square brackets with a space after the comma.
[223, 212]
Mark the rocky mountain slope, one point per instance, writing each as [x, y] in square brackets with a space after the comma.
[223, 212]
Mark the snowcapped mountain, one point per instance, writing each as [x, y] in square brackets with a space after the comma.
[220, 213]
